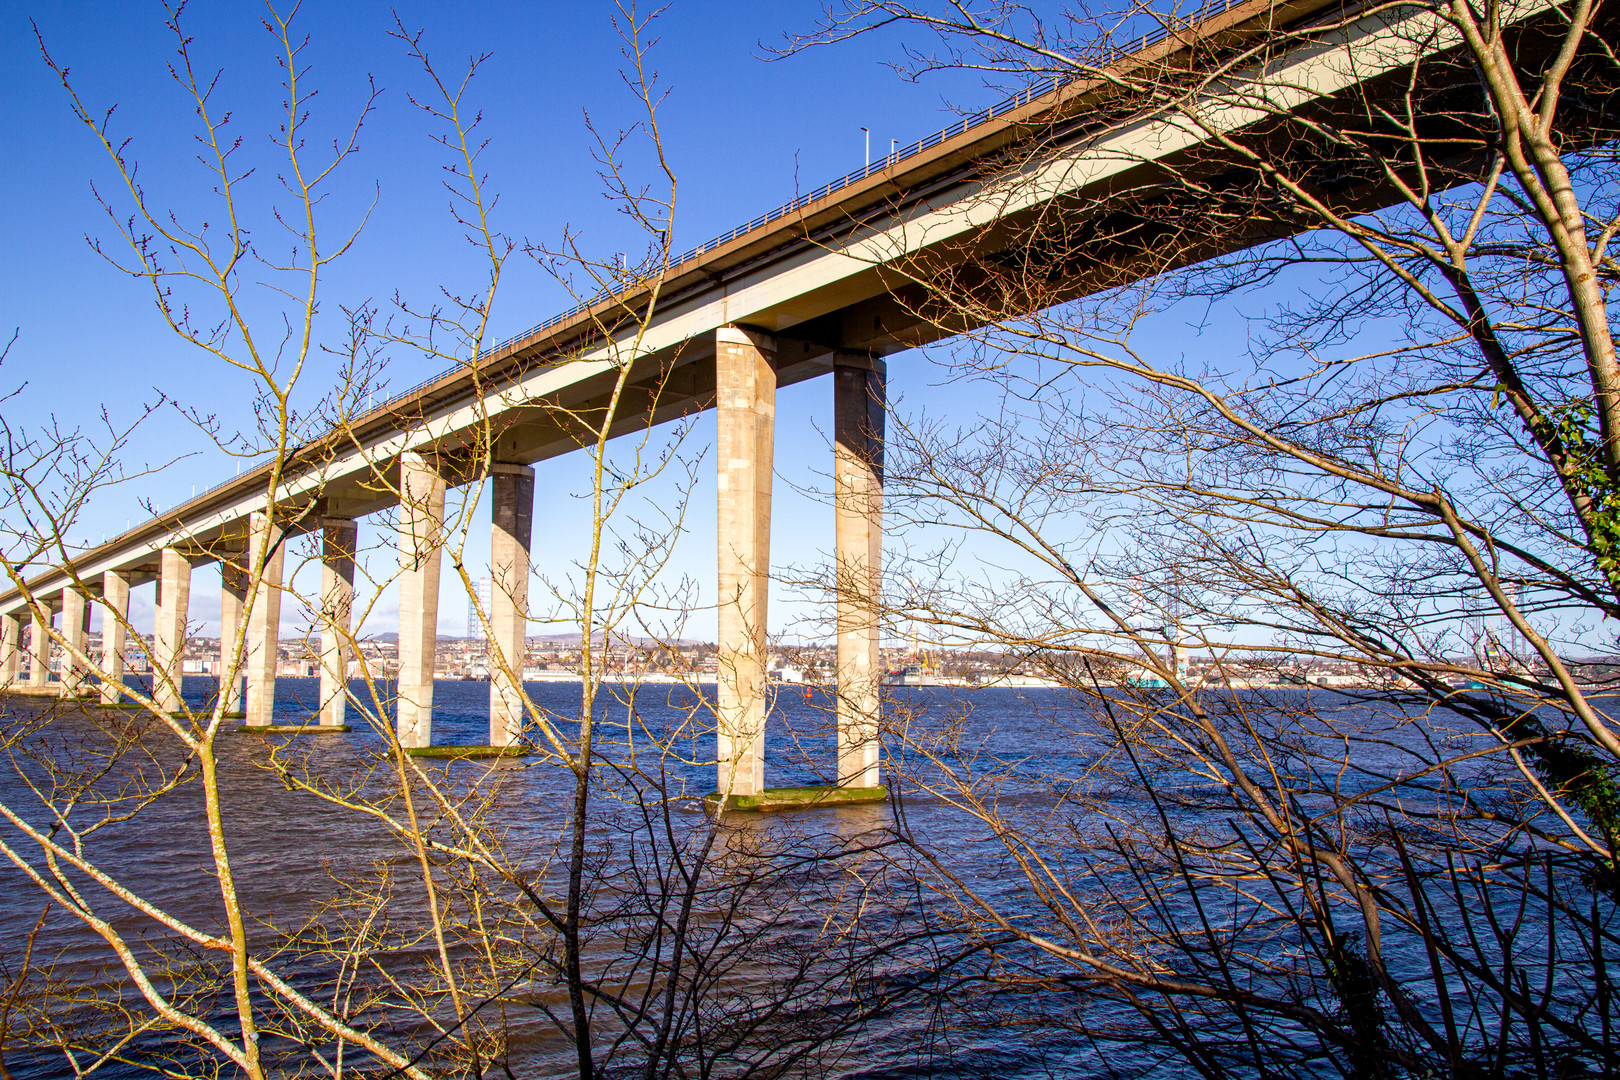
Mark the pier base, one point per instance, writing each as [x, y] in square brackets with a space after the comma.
[458, 752]
[50, 690]
[858, 424]
[289, 729]
[800, 798]
[265, 547]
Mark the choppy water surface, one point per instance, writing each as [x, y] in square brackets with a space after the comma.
[284, 848]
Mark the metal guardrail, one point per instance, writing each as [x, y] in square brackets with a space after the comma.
[1039, 89]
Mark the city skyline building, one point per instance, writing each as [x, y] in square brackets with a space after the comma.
[478, 596]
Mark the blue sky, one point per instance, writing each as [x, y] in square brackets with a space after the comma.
[744, 134]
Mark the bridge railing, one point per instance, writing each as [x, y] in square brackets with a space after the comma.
[1034, 91]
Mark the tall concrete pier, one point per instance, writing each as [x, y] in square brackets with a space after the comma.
[233, 595]
[10, 649]
[745, 410]
[114, 634]
[75, 623]
[339, 537]
[169, 631]
[39, 649]
[512, 514]
[421, 543]
[264, 620]
[858, 423]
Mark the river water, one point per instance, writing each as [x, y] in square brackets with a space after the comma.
[286, 847]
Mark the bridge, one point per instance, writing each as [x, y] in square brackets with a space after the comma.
[824, 285]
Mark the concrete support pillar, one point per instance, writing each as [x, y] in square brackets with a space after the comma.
[114, 636]
[858, 421]
[421, 525]
[264, 620]
[75, 627]
[39, 649]
[338, 539]
[169, 634]
[10, 649]
[233, 581]
[745, 407]
[512, 514]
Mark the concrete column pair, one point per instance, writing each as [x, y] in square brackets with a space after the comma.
[260, 646]
[258, 660]
[745, 406]
[421, 544]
